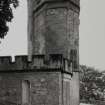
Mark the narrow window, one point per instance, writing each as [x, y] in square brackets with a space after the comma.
[73, 58]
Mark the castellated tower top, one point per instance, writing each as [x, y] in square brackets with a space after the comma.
[54, 27]
[39, 2]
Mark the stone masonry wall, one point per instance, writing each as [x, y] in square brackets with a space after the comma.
[74, 89]
[55, 27]
[44, 88]
[45, 82]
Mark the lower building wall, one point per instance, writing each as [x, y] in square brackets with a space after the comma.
[35, 88]
[39, 88]
[66, 89]
[10, 90]
[74, 89]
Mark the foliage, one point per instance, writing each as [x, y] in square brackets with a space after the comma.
[6, 14]
[91, 84]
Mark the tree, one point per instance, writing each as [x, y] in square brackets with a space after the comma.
[6, 15]
[91, 84]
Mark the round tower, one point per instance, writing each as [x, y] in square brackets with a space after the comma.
[53, 27]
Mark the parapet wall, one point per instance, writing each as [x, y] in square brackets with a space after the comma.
[39, 62]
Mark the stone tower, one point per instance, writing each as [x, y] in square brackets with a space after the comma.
[49, 75]
[54, 29]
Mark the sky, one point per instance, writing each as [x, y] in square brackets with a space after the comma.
[92, 33]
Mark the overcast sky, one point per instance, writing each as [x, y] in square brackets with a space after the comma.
[92, 33]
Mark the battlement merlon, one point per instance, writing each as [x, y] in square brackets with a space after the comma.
[38, 3]
[39, 62]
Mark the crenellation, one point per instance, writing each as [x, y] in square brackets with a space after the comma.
[73, 4]
[56, 61]
[5, 59]
[5, 62]
[37, 61]
[41, 62]
[21, 62]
